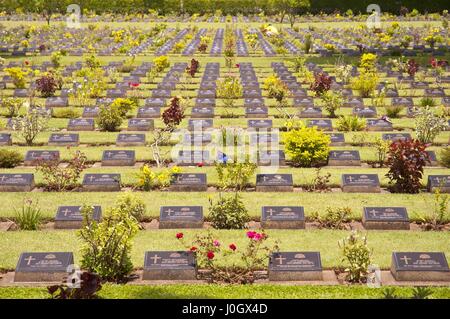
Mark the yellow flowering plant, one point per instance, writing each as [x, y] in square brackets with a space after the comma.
[149, 179]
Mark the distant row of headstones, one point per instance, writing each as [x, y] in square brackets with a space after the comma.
[272, 217]
[102, 182]
[282, 266]
[194, 157]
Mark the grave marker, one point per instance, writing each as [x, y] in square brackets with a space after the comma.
[390, 218]
[173, 217]
[283, 217]
[295, 266]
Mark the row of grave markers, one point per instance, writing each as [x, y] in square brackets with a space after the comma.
[272, 217]
[197, 157]
[350, 183]
[282, 266]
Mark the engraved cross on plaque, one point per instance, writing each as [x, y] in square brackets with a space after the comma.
[155, 259]
[280, 259]
[405, 259]
[66, 211]
[271, 211]
[169, 212]
[29, 260]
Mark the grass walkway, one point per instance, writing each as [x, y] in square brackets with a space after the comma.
[383, 243]
[110, 291]
[417, 205]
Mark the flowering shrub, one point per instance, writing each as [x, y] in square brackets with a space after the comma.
[277, 90]
[344, 72]
[235, 175]
[193, 68]
[161, 63]
[208, 250]
[174, 114]
[107, 244]
[58, 178]
[110, 117]
[332, 101]
[149, 179]
[412, 67]
[307, 146]
[18, 76]
[229, 89]
[124, 105]
[30, 125]
[428, 124]
[406, 160]
[356, 254]
[366, 83]
[367, 62]
[321, 84]
[228, 212]
[47, 85]
[12, 105]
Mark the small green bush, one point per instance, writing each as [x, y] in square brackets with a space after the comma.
[107, 244]
[109, 118]
[133, 204]
[235, 175]
[427, 101]
[12, 106]
[350, 123]
[307, 146]
[393, 111]
[445, 157]
[334, 218]
[29, 217]
[228, 212]
[68, 113]
[10, 158]
[124, 105]
[356, 255]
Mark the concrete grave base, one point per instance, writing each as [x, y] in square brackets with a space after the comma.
[385, 225]
[295, 275]
[272, 189]
[169, 274]
[188, 188]
[361, 189]
[39, 276]
[272, 224]
[180, 224]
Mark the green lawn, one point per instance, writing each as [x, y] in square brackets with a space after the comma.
[110, 291]
[383, 243]
[417, 205]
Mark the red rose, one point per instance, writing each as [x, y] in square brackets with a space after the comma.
[251, 234]
[210, 255]
[180, 235]
[200, 165]
[193, 248]
[232, 247]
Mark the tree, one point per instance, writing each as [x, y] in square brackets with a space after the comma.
[50, 7]
[290, 8]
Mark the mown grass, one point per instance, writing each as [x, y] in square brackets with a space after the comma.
[301, 176]
[418, 205]
[111, 291]
[383, 243]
